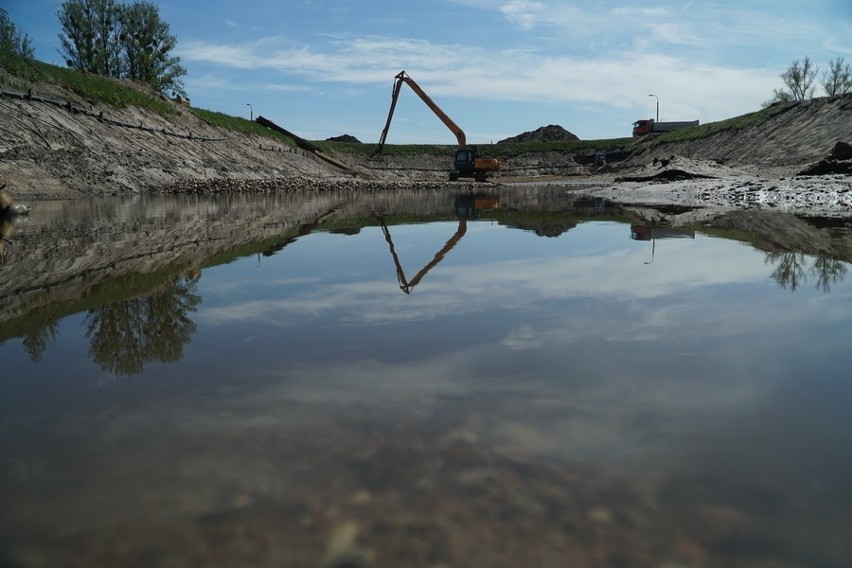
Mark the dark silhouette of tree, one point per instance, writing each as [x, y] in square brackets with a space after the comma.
[36, 342]
[790, 269]
[126, 335]
[837, 80]
[828, 271]
[11, 39]
[799, 79]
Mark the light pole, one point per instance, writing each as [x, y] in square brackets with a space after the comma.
[658, 106]
[251, 111]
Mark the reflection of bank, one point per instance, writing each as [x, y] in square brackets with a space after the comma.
[467, 207]
[651, 233]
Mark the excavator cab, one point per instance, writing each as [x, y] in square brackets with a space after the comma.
[463, 166]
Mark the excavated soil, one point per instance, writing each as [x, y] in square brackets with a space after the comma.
[59, 146]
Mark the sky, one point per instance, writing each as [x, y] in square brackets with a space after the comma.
[497, 67]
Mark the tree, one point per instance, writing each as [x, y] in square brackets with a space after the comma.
[837, 80]
[90, 36]
[799, 79]
[11, 40]
[146, 48]
[120, 40]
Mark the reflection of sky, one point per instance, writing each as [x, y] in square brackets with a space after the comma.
[576, 336]
[568, 348]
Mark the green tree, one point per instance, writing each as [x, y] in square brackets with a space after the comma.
[11, 39]
[146, 47]
[837, 80]
[120, 40]
[89, 36]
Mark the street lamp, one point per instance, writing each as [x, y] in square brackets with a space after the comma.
[658, 106]
[251, 111]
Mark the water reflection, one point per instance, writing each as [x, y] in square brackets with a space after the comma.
[125, 335]
[150, 321]
[468, 207]
[791, 270]
[538, 401]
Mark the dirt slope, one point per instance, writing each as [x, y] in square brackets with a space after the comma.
[51, 152]
[793, 135]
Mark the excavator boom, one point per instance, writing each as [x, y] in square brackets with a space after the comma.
[401, 78]
[466, 163]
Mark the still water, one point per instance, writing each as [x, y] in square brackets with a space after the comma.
[526, 378]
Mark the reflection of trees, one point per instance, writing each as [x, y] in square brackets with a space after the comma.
[792, 270]
[828, 271]
[125, 335]
[36, 341]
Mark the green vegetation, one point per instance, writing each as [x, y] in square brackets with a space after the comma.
[12, 39]
[127, 41]
[237, 124]
[24, 73]
[496, 150]
[736, 123]
[113, 92]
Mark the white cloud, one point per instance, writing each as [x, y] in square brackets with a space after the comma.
[523, 13]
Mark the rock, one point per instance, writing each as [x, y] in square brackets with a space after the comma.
[8, 205]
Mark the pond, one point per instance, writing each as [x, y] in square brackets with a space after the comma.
[526, 377]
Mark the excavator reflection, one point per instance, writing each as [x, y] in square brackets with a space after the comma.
[467, 207]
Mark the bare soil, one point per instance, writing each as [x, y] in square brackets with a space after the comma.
[79, 150]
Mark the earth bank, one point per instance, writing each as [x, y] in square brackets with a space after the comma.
[59, 146]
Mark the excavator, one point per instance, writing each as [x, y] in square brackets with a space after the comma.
[466, 163]
[467, 207]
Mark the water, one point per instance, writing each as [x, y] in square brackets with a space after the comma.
[423, 379]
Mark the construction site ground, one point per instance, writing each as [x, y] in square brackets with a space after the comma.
[798, 158]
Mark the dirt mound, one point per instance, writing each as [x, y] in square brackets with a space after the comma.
[348, 138]
[550, 133]
[678, 168]
[839, 161]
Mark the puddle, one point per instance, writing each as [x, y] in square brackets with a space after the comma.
[422, 379]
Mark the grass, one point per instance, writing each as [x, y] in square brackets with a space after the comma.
[238, 124]
[113, 92]
[495, 150]
[23, 73]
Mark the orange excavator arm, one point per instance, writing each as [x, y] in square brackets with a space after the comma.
[408, 285]
[401, 78]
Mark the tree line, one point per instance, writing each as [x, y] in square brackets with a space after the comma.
[105, 37]
[801, 76]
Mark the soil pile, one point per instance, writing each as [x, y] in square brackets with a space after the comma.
[551, 133]
[839, 161]
[678, 168]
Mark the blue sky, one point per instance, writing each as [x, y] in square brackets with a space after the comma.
[497, 67]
